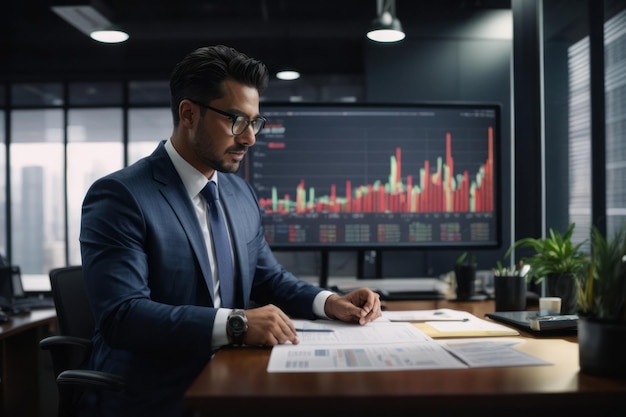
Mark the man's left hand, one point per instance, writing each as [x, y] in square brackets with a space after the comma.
[359, 306]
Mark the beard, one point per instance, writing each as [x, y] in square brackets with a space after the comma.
[221, 165]
[213, 156]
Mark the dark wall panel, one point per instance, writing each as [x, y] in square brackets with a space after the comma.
[413, 71]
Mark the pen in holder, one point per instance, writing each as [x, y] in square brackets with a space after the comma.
[510, 292]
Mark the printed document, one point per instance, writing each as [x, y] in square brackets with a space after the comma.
[361, 357]
[447, 323]
[336, 332]
[384, 345]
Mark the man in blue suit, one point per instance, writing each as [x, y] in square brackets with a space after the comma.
[147, 249]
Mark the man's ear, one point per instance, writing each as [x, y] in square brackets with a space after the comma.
[188, 113]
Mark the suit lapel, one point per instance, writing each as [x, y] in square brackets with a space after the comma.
[174, 192]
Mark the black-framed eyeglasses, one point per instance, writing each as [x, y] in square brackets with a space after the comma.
[240, 123]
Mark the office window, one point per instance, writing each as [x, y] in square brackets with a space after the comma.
[615, 84]
[580, 139]
[37, 95]
[149, 93]
[94, 149]
[615, 117]
[37, 192]
[95, 94]
[146, 128]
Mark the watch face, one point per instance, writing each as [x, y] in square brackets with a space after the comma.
[237, 327]
[237, 324]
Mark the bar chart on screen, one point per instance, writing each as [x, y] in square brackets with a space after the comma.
[377, 176]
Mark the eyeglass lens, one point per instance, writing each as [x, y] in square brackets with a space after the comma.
[241, 124]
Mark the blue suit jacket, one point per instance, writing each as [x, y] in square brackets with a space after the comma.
[146, 273]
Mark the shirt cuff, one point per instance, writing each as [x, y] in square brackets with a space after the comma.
[220, 338]
[318, 303]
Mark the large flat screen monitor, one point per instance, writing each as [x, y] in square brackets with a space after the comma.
[365, 176]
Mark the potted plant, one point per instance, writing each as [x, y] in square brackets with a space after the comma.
[558, 261]
[602, 307]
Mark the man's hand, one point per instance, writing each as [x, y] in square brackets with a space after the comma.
[269, 326]
[359, 306]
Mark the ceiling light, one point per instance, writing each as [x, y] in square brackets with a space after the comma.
[91, 22]
[288, 75]
[109, 36]
[386, 27]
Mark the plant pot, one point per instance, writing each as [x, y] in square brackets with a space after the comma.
[601, 347]
[465, 275]
[563, 286]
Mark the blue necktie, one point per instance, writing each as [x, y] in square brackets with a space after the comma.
[221, 246]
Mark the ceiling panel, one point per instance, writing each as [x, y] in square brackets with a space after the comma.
[318, 37]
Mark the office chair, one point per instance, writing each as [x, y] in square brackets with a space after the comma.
[70, 349]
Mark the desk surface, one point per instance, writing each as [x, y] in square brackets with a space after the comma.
[237, 380]
[22, 322]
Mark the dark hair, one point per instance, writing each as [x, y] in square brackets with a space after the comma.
[201, 75]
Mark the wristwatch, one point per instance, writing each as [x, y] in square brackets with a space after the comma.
[236, 327]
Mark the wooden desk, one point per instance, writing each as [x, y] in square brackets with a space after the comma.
[236, 381]
[19, 350]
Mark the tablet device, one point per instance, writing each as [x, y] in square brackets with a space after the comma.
[533, 321]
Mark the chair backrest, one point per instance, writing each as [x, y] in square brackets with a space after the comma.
[74, 316]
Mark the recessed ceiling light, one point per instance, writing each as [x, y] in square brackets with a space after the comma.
[109, 36]
[92, 22]
[288, 75]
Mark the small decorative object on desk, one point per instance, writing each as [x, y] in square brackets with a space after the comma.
[549, 305]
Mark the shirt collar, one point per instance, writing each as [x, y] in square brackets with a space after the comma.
[193, 180]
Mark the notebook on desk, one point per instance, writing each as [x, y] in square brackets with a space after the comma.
[398, 288]
[13, 298]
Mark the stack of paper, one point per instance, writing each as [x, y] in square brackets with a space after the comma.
[390, 345]
[445, 322]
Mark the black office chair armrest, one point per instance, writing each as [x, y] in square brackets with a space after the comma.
[91, 379]
[67, 352]
[52, 342]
